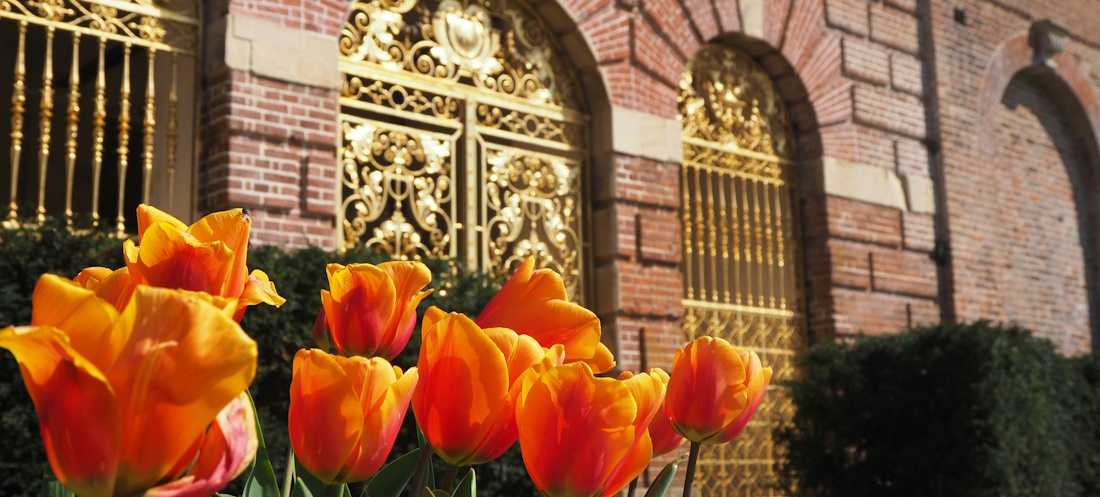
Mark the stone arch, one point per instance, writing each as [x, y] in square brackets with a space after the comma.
[1044, 99]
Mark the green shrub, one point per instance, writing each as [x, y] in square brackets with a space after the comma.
[963, 410]
[299, 276]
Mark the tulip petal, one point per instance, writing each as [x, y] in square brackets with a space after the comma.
[183, 362]
[648, 391]
[757, 386]
[325, 417]
[84, 317]
[226, 451]
[603, 361]
[358, 308]
[259, 289]
[520, 351]
[386, 399]
[409, 278]
[169, 259]
[147, 215]
[78, 415]
[706, 390]
[117, 289]
[632, 465]
[575, 429]
[92, 277]
[463, 385]
[231, 228]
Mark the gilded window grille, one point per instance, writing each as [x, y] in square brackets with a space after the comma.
[741, 250]
[462, 135]
[97, 102]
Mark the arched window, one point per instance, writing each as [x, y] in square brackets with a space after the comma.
[741, 243]
[101, 108]
[462, 134]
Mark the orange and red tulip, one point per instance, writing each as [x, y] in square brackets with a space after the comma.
[533, 302]
[371, 310]
[714, 390]
[664, 439]
[345, 413]
[144, 401]
[470, 380]
[583, 436]
[209, 256]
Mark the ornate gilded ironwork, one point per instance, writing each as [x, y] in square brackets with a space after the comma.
[147, 27]
[463, 134]
[740, 244]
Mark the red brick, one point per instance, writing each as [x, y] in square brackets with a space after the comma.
[865, 60]
[891, 111]
[659, 235]
[895, 28]
[849, 15]
[901, 271]
[905, 74]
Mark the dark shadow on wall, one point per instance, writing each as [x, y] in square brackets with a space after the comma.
[1041, 91]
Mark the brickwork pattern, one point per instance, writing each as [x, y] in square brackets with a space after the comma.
[1012, 146]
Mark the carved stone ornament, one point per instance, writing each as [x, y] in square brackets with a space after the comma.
[1048, 39]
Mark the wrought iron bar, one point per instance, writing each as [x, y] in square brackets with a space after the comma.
[123, 141]
[99, 122]
[45, 125]
[150, 123]
[18, 107]
[173, 130]
[768, 244]
[74, 126]
[780, 250]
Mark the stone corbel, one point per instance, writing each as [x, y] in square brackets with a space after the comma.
[1048, 39]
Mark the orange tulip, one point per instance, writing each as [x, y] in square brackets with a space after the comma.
[470, 381]
[144, 401]
[345, 413]
[584, 436]
[533, 302]
[660, 431]
[371, 310]
[209, 256]
[714, 390]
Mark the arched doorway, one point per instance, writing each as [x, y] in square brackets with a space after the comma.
[463, 134]
[741, 243]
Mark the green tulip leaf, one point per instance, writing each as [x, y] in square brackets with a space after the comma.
[300, 489]
[467, 487]
[260, 481]
[311, 483]
[663, 482]
[391, 480]
[54, 488]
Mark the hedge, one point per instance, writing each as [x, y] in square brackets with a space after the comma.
[299, 276]
[965, 410]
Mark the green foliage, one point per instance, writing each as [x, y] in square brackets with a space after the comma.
[299, 277]
[963, 410]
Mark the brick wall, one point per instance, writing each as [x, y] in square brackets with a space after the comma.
[1018, 145]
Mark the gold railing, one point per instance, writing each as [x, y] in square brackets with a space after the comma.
[462, 135]
[741, 252]
[105, 39]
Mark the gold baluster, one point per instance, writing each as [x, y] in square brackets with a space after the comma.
[759, 232]
[712, 240]
[150, 128]
[99, 121]
[700, 235]
[123, 141]
[780, 250]
[18, 101]
[736, 242]
[173, 126]
[685, 208]
[74, 125]
[768, 245]
[45, 116]
[723, 180]
[746, 231]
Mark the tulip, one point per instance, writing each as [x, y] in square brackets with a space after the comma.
[470, 380]
[115, 286]
[209, 256]
[345, 413]
[149, 400]
[533, 302]
[371, 310]
[584, 436]
[714, 390]
[664, 439]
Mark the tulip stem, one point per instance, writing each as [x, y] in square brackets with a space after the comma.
[449, 477]
[418, 475]
[334, 490]
[689, 478]
[632, 488]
